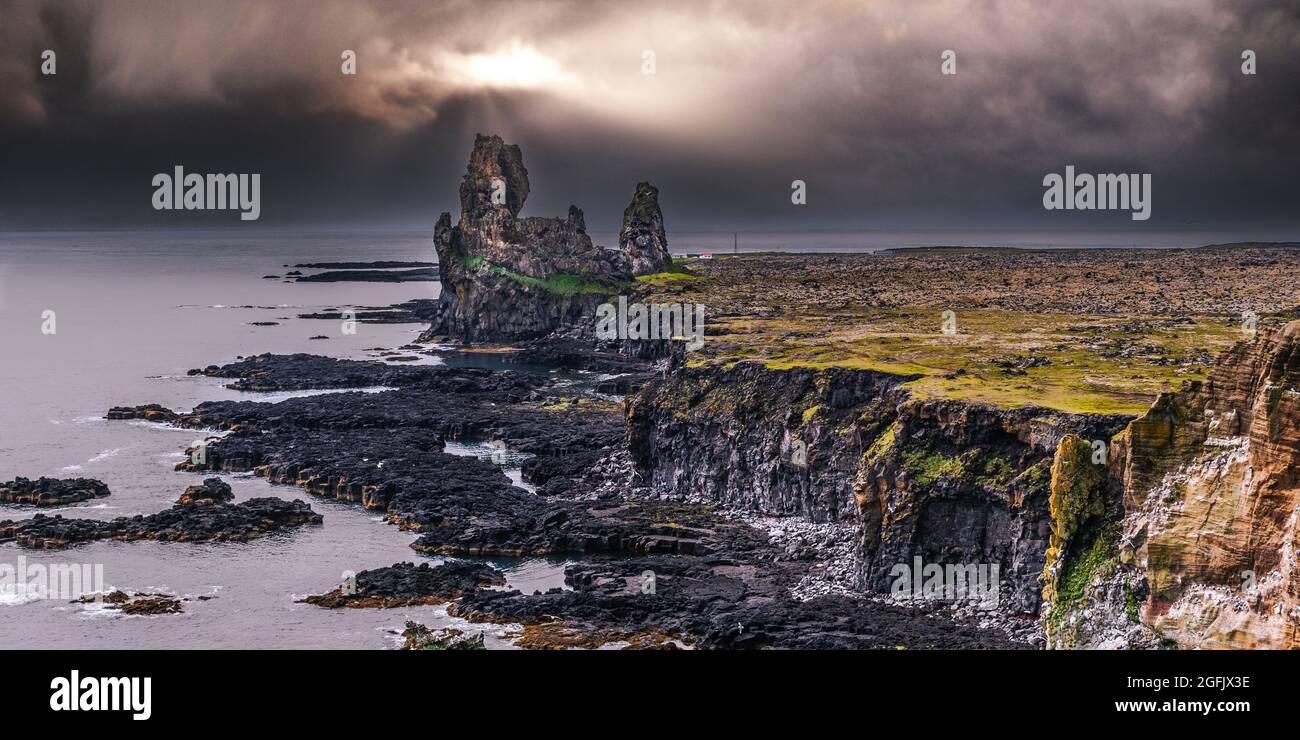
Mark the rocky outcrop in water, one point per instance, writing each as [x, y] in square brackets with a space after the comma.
[246, 520]
[139, 604]
[371, 276]
[414, 311]
[51, 491]
[506, 278]
[406, 584]
[385, 452]
[147, 412]
[270, 373]
[204, 513]
[418, 637]
[429, 406]
[211, 491]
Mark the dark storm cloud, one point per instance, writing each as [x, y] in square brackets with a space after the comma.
[746, 98]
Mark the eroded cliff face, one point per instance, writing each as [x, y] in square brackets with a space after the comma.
[1211, 495]
[951, 482]
[506, 278]
[959, 483]
[1177, 528]
[784, 443]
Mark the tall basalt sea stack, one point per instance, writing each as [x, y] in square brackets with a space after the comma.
[506, 278]
[643, 237]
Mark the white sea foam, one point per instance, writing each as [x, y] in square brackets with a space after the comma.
[17, 594]
[105, 455]
[277, 396]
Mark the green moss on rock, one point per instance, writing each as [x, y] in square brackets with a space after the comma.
[927, 467]
[1093, 556]
[1082, 545]
[880, 446]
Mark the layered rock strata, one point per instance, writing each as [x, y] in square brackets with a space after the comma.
[1195, 515]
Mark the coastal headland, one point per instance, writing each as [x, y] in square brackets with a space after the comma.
[1114, 432]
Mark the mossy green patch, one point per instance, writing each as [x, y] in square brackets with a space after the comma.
[927, 467]
[1131, 604]
[1093, 556]
[880, 446]
[996, 471]
[809, 413]
[1071, 363]
[662, 278]
[1083, 543]
[559, 284]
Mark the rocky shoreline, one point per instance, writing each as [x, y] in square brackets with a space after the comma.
[384, 452]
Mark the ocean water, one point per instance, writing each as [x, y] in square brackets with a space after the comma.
[133, 313]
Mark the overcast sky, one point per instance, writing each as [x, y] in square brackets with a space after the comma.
[745, 97]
